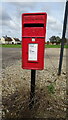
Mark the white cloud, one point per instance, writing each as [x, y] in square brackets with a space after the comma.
[12, 16]
[34, 0]
[0, 14]
[51, 20]
[54, 24]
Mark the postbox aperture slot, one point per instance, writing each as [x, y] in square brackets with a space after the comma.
[33, 25]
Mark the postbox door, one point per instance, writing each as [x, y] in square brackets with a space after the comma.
[33, 53]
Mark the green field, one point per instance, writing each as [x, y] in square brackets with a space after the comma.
[11, 46]
[46, 46]
[55, 46]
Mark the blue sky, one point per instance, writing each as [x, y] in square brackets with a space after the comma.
[11, 17]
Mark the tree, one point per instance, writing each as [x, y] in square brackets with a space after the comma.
[58, 40]
[65, 40]
[52, 39]
[55, 39]
[47, 42]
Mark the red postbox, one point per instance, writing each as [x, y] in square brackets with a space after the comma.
[33, 40]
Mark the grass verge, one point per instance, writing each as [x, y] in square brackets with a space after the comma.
[19, 46]
[55, 46]
[11, 46]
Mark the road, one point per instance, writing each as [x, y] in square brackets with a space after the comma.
[11, 55]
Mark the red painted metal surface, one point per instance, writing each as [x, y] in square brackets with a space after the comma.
[33, 26]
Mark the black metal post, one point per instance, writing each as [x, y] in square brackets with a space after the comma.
[63, 38]
[32, 93]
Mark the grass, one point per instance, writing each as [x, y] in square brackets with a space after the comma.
[55, 46]
[51, 88]
[11, 46]
[19, 46]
